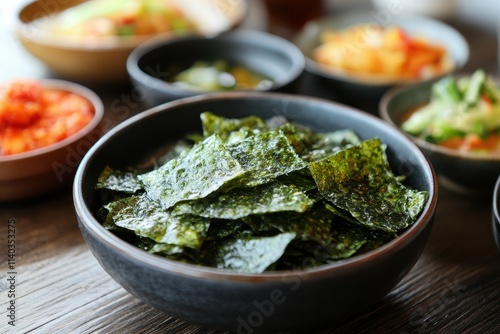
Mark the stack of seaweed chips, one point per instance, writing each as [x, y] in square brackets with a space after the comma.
[251, 196]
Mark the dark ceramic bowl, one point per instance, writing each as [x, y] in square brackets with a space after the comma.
[355, 87]
[273, 301]
[269, 55]
[496, 212]
[466, 173]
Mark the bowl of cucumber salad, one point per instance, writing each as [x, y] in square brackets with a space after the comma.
[456, 122]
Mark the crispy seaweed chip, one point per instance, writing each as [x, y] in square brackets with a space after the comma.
[242, 202]
[335, 139]
[300, 138]
[239, 135]
[178, 148]
[203, 170]
[264, 157]
[166, 249]
[225, 126]
[146, 219]
[248, 254]
[223, 228]
[312, 226]
[375, 239]
[359, 180]
[116, 180]
[301, 178]
[343, 242]
[326, 144]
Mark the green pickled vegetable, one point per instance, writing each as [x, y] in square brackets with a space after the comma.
[458, 109]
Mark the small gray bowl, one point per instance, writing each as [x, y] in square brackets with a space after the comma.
[356, 89]
[272, 56]
[273, 301]
[464, 173]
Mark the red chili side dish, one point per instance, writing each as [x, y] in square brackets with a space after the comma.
[32, 116]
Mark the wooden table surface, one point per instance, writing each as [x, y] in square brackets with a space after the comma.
[60, 288]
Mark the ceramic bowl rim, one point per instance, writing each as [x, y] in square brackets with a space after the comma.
[496, 212]
[71, 87]
[239, 36]
[162, 264]
[496, 199]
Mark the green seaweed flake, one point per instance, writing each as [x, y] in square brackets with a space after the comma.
[225, 126]
[358, 179]
[300, 138]
[345, 240]
[301, 178]
[116, 180]
[249, 254]
[242, 202]
[166, 249]
[146, 219]
[312, 226]
[265, 156]
[223, 228]
[180, 147]
[207, 167]
[326, 144]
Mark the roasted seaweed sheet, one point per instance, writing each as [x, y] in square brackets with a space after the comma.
[251, 195]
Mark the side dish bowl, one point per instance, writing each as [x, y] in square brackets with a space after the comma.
[39, 171]
[99, 60]
[273, 301]
[271, 56]
[352, 86]
[463, 172]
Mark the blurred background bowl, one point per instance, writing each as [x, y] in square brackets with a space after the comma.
[42, 170]
[225, 300]
[463, 172]
[101, 60]
[352, 88]
[271, 56]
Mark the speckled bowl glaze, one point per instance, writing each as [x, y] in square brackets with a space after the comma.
[245, 303]
[269, 55]
[462, 172]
